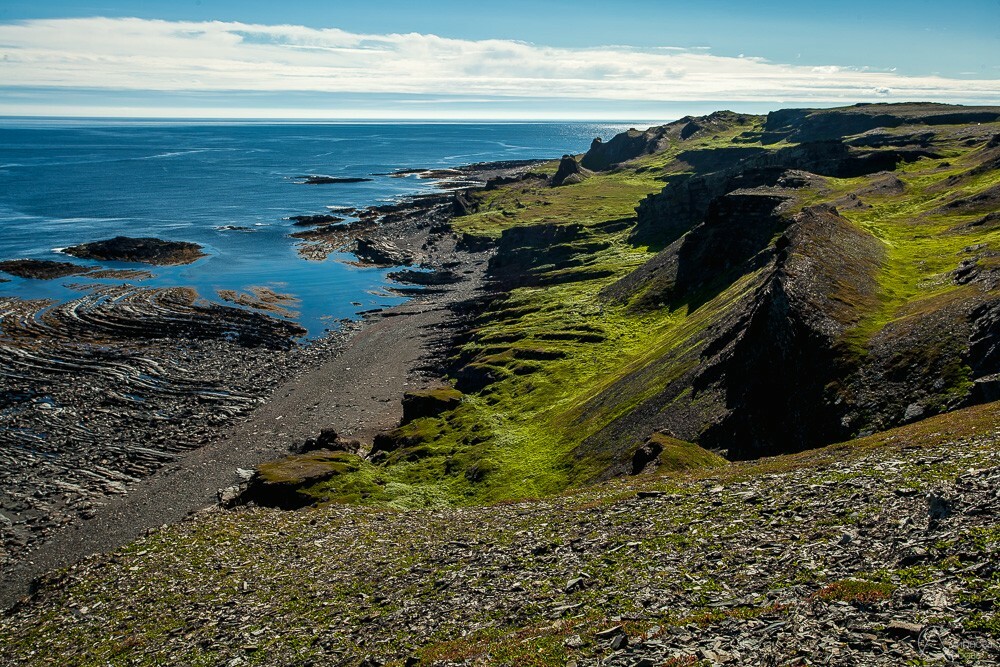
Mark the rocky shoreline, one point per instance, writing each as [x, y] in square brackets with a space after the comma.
[104, 393]
[88, 417]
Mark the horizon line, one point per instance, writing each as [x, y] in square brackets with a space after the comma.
[291, 120]
[444, 119]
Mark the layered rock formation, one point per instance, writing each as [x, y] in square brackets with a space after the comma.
[788, 342]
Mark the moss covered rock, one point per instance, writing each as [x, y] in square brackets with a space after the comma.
[281, 483]
[663, 453]
[429, 402]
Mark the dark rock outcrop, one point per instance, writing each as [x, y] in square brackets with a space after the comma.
[474, 377]
[665, 216]
[783, 369]
[442, 277]
[284, 483]
[544, 255]
[983, 356]
[463, 205]
[880, 138]
[569, 172]
[474, 242]
[737, 228]
[662, 453]
[386, 443]
[144, 250]
[380, 252]
[312, 220]
[989, 220]
[43, 269]
[328, 439]
[634, 143]
[987, 201]
[330, 180]
[429, 402]
[621, 148]
[646, 457]
[733, 239]
[919, 365]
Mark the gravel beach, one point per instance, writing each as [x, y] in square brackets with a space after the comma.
[219, 403]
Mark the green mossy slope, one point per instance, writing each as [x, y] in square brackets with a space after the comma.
[596, 340]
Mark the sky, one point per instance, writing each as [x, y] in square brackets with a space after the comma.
[515, 59]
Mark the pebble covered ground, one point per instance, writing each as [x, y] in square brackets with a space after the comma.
[84, 420]
[882, 551]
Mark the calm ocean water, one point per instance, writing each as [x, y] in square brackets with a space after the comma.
[68, 182]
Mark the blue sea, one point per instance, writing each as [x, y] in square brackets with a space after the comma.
[64, 182]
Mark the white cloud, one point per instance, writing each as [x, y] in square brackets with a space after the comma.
[147, 55]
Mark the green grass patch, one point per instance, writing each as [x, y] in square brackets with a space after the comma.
[924, 242]
[855, 590]
[535, 646]
[602, 197]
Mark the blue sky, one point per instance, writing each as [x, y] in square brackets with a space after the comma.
[513, 59]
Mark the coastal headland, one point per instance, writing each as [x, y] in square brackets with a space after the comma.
[721, 391]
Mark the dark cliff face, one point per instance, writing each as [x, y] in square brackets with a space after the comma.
[635, 143]
[804, 125]
[664, 216]
[625, 146]
[737, 228]
[787, 366]
[764, 377]
[683, 203]
[782, 377]
[546, 254]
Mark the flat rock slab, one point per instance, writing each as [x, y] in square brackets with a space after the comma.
[42, 269]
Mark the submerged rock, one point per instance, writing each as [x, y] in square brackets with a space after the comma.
[310, 220]
[330, 180]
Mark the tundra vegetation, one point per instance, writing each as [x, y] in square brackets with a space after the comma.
[729, 399]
